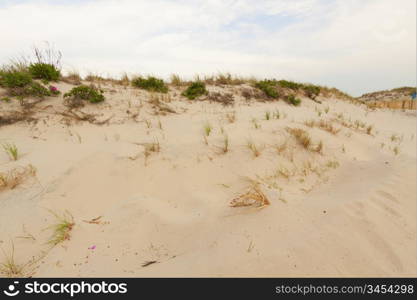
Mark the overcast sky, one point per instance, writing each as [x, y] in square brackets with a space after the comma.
[356, 45]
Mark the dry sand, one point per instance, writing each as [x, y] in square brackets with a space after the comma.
[349, 211]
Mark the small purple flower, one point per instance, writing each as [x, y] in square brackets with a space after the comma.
[92, 247]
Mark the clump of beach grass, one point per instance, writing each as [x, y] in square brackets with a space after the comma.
[150, 148]
[11, 150]
[255, 123]
[62, 228]
[16, 176]
[332, 164]
[253, 148]
[176, 80]
[276, 115]
[319, 147]
[207, 129]
[369, 129]
[231, 117]
[324, 125]
[225, 144]
[9, 267]
[302, 137]
[253, 196]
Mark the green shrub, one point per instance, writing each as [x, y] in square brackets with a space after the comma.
[152, 84]
[5, 99]
[195, 90]
[14, 79]
[34, 89]
[37, 90]
[44, 71]
[312, 91]
[84, 92]
[293, 100]
[290, 84]
[268, 87]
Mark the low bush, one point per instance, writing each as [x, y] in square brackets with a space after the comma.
[83, 92]
[290, 84]
[44, 71]
[293, 100]
[150, 83]
[195, 90]
[268, 87]
[33, 89]
[14, 79]
[312, 91]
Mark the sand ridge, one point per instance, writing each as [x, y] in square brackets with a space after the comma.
[348, 209]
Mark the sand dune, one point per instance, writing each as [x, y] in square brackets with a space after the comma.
[346, 210]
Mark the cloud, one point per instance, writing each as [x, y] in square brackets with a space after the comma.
[357, 46]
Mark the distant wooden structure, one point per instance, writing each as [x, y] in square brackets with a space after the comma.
[405, 103]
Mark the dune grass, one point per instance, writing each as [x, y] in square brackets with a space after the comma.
[12, 178]
[369, 129]
[302, 137]
[319, 147]
[207, 129]
[11, 150]
[332, 164]
[282, 147]
[253, 148]
[231, 117]
[62, 228]
[253, 196]
[176, 80]
[9, 267]
[255, 123]
[225, 144]
[324, 125]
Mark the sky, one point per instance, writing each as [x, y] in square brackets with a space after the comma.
[357, 46]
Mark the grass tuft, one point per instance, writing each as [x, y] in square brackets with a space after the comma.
[11, 150]
[16, 176]
[302, 137]
[253, 196]
[253, 148]
[9, 267]
[231, 117]
[207, 129]
[255, 123]
[176, 80]
[225, 146]
[61, 230]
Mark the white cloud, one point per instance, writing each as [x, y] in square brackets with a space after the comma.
[355, 45]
